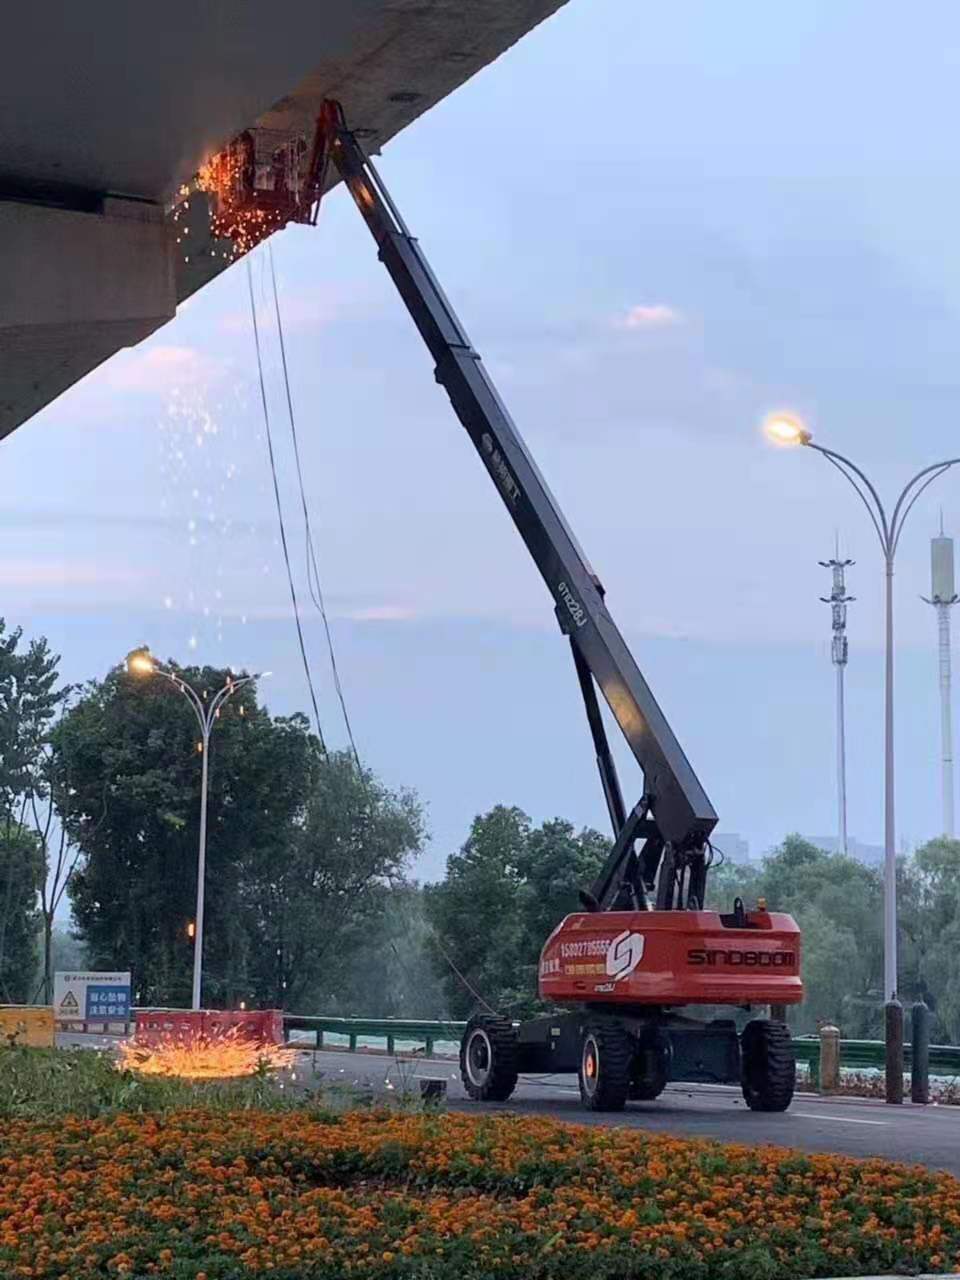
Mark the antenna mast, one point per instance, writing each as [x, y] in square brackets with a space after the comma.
[942, 597]
[838, 601]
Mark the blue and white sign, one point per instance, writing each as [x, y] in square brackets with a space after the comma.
[91, 997]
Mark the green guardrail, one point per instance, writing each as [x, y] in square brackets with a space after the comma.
[854, 1054]
[858, 1055]
[389, 1029]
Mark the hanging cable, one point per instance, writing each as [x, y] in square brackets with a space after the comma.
[313, 571]
[276, 494]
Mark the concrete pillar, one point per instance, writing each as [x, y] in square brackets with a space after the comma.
[77, 286]
[920, 1053]
[893, 1018]
[829, 1058]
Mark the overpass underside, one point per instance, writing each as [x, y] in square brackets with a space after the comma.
[108, 111]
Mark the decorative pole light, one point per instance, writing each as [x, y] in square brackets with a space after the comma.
[838, 601]
[943, 596]
[140, 662]
[789, 430]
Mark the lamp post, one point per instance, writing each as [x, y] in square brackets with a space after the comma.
[785, 429]
[142, 663]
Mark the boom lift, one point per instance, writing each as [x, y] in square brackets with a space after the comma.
[643, 946]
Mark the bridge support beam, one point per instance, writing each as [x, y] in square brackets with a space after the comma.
[79, 284]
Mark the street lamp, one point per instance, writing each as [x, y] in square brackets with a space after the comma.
[788, 430]
[142, 663]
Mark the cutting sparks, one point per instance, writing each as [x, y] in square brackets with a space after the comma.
[224, 1057]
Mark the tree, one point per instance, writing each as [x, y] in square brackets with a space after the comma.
[929, 917]
[505, 891]
[67, 952]
[396, 977]
[474, 912]
[126, 756]
[838, 904]
[21, 870]
[29, 701]
[318, 906]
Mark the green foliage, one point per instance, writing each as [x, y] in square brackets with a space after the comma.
[42, 1084]
[67, 952]
[310, 912]
[29, 702]
[504, 893]
[929, 910]
[394, 977]
[21, 869]
[837, 902]
[129, 745]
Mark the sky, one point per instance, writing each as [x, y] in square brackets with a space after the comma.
[658, 223]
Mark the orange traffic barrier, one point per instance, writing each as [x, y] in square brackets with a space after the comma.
[24, 1024]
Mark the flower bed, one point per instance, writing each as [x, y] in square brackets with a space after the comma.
[298, 1196]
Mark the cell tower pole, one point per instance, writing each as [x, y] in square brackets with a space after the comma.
[943, 597]
[838, 601]
[946, 718]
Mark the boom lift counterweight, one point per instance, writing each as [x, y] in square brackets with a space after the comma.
[644, 944]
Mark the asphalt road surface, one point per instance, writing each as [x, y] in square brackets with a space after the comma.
[922, 1135]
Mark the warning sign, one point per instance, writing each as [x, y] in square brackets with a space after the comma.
[91, 997]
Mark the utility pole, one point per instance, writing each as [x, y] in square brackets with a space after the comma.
[942, 596]
[838, 601]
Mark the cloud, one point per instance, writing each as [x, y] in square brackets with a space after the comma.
[64, 573]
[382, 613]
[158, 369]
[657, 316]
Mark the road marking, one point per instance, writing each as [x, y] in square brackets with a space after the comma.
[807, 1115]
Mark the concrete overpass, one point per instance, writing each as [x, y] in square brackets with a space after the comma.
[107, 109]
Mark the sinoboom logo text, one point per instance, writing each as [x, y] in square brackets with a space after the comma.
[743, 959]
[573, 604]
[624, 954]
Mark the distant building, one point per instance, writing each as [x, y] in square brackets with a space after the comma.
[870, 855]
[734, 848]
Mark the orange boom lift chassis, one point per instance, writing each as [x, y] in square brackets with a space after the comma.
[644, 948]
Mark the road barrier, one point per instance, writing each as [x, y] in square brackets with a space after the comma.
[27, 1024]
[152, 1026]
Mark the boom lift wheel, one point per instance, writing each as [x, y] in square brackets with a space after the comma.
[768, 1065]
[606, 1061]
[651, 1068]
[488, 1058]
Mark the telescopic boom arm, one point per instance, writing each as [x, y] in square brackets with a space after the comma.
[674, 818]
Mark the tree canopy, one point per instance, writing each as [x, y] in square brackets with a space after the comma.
[504, 892]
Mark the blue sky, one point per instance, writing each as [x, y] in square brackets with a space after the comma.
[657, 222]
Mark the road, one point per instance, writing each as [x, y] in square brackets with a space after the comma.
[925, 1135]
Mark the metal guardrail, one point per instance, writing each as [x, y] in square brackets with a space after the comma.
[389, 1029]
[859, 1055]
[854, 1054]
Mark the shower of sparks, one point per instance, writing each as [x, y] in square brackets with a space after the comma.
[223, 1057]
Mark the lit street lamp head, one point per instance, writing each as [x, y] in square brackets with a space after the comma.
[140, 662]
[786, 429]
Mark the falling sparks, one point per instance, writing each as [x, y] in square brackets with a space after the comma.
[255, 186]
[224, 1057]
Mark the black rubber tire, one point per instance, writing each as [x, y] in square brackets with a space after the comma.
[650, 1070]
[605, 1086]
[768, 1065]
[488, 1058]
